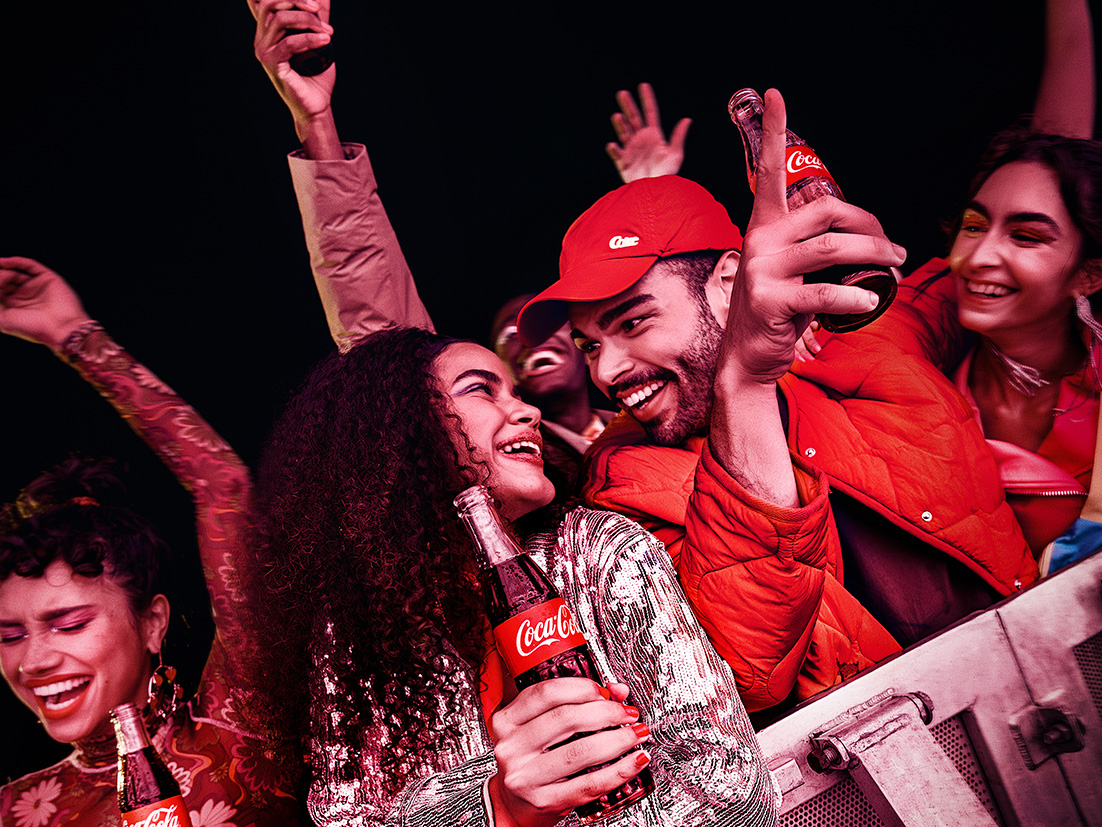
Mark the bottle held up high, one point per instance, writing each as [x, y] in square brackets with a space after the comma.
[808, 179]
[312, 61]
[535, 630]
[148, 794]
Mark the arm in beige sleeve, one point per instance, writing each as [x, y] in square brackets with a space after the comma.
[362, 277]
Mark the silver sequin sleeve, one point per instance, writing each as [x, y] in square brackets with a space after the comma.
[708, 767]
[619, 581]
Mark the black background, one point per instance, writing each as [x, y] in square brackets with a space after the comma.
[143, 159]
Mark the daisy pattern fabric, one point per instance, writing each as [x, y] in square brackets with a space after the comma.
[225, 775]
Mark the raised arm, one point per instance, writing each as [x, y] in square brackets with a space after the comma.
[770, 307]
[1066, 94]
[310, 99]
[36, 304]
[361, 274]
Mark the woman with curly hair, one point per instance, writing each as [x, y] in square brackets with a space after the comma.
[83, 611]
[380, 670]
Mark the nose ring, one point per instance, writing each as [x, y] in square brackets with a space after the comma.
[20, 670]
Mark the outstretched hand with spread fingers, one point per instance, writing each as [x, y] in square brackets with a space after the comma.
[643, 151]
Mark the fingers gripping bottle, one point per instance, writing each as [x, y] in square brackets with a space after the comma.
[148, 794]
[312, 61]
[808, 179]
[535, 630]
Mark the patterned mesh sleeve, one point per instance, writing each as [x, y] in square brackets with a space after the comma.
[204, 464]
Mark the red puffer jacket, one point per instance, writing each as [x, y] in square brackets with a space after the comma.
[875, 411]
[877, 421]
[763, 580]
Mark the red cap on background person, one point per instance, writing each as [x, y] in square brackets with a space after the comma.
[613, 243]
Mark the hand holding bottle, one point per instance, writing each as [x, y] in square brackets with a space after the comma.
[807, 180]
[770, 303]
[770, 308]
[284, 29]
[561, 744]
[550, 660]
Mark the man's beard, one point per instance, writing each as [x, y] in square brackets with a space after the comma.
[692, 380]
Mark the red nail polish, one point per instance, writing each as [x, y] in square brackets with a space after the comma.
[631, 710]
[605, 693]
[641, 729]
[642, 758]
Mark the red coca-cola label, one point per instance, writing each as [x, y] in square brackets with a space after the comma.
[803, 162]
[529, 638]
[171, 812]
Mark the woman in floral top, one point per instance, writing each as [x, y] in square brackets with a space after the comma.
[82, 618]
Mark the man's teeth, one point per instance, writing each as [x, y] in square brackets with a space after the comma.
[641, 394]
[993, 290]
[525, 446]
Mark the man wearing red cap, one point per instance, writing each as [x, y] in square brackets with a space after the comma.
[722, 453]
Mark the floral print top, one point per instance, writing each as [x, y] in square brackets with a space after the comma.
[224, 773]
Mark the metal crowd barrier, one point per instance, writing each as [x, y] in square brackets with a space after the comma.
[996, 720]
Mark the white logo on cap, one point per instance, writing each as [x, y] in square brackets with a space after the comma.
[618, 242]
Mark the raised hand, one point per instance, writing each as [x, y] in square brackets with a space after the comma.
[770, 305]
[308, 98]
[533, 786]
[36, 304]
[643, 151]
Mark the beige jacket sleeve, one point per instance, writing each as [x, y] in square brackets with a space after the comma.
[362, 277]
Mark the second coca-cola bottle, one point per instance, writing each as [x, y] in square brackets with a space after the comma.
[148, 794]
[808, 179]
[535, 630]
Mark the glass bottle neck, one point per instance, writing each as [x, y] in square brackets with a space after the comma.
[485, 526]
[130, 733]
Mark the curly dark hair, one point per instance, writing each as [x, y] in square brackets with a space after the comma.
[78, 512]
[360, 555]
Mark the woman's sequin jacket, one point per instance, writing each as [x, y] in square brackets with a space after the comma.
[619, 582]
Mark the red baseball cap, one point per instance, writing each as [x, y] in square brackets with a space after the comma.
[613, 243]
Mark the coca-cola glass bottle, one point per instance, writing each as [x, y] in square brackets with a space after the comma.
[808, 179]
[148, 794]
[535, 630]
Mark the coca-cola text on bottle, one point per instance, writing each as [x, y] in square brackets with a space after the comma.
[808, 179]
[535, 631]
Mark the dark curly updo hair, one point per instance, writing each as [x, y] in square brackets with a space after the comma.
[360, 560]
[77, 512]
